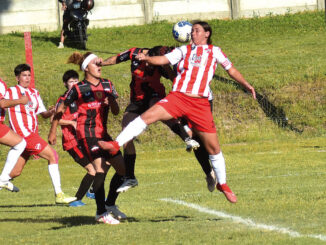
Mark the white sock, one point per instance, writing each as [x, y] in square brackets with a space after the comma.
[133, 129]
[12, 158]
[218, 165]
[55, 177]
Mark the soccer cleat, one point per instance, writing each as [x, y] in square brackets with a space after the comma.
[191, 144]
[90, 195]
[62, 198]
[114, 210]
[127, 184]
[77, 203]
[230, 196]
[8, 186]
[61, 45]
[111, 146]
[106, 218]
[211, 181]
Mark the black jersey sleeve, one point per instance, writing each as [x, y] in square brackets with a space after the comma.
[71, 96]
[124, 56]
[59, 102]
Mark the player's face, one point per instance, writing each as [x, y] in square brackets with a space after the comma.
[198, 35]
[71, 82]
[93, 69]
[24, 79]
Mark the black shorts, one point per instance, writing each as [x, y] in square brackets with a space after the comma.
[140, 106]
[78, 154]
[92, 149]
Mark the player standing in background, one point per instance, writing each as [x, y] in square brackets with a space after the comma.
[145, 90]
[68, 124]
[9, 138]
[196, 67]
[23, 120]
[95, 97]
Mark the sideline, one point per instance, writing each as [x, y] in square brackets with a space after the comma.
[247, 222]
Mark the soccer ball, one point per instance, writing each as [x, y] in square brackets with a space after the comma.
[182, 31]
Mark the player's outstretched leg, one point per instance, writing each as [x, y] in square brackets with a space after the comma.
[111, 146]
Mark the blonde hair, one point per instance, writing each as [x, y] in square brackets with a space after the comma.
[78, 58]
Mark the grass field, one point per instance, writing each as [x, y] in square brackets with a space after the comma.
[276, 167]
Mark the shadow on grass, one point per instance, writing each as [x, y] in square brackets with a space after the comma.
[276, 114]
[28, 206]
[55, 40]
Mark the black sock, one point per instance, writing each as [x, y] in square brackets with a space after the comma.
[130, 160]
[203, 157]
[178, 129]
[84, 186]
[98, 187]
[116, 182]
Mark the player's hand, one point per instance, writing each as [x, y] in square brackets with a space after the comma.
[64, 6]
[51, 110]
[98, 61]
[140, 56]
[106, 101]
[252, 91]
[52, 138]
[74, 124]
[24, 100]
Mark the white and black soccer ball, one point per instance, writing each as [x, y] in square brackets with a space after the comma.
[182, 31]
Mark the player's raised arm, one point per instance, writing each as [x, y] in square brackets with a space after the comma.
[110, 61]
[153, 60]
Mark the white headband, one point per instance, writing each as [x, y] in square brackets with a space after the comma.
[87, 60]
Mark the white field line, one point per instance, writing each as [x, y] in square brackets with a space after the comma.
[244, 221]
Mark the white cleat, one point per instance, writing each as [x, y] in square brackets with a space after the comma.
[211, 181]
[106, 218]
[127, 184]
[191, 144]
[115, 212]
[8, 186]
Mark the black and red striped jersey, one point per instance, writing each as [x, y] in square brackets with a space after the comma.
[69, 137]
[145, 79]
[92, 111]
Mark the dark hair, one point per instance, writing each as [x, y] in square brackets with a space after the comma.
[159, 50]
[206, 27]
[21, 68]
[69, 74]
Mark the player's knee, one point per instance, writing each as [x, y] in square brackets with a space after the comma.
[90, 169]
[20, 146]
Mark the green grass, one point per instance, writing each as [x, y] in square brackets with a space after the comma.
[277, 173]
[278, 183]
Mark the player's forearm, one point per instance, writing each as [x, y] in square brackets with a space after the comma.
[9, 103]
[157, 60]
[63, 122]
[236, 75]
[110, 61]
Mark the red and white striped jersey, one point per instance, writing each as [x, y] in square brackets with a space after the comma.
[196, 67]
[3, 90]
[23, 118]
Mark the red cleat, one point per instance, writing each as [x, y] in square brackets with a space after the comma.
[230, 196]
[111, 146]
